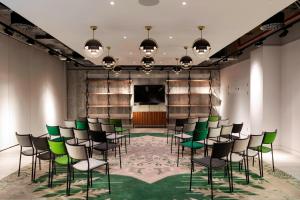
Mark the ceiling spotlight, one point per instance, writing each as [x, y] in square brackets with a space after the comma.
[186, 61]
[62, 58]
[8, 31]
[147, 62]
[283, 33]
[274, 23]
[201, 46]
[170, 37]
[147, 71]
[51, 52]
[184, 3]
[108, 61]
[93, 48]
[124, 37]
[68, 60]
[259, 43]
[30, 41]
[112, 3]
[148, 46]
[177, 68]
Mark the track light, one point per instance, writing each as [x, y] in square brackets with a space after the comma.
[8, 31]
[30, 41]
[259, 43]
[283, 33]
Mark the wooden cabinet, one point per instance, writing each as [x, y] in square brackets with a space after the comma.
[148, 119]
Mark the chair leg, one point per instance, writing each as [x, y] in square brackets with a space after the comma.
[87, 185]
[129, 136]
[32, 167]
[231, 176]
[40, 165]
[49, 173]
[125, 145]
[178, 155]
[120, 157]
[108, 177]
[167, 136]
[91, 178]
[20, 159]
[171, 143]
[259, 165]
[68, 177]
[245, 166]
[262, 164]
[248, 170]
[253, 161]
[211, 184]
[191, 175]
[272, 158]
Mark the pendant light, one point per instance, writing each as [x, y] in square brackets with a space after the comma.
[108, 61]
[186, 61]
[147, 70]
[201, 46]
[177, 68]
[148, 46]
[147, 62]
[117, 69]
[93, 48]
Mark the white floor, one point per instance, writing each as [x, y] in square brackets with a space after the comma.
[283, 160]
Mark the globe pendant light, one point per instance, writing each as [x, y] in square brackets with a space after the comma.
[93, 48]
[201, 46]
[108, 61]
[186, 61]
[177, 68]
[147, 62]
[117, 70]
[147, 70]
[148, 46]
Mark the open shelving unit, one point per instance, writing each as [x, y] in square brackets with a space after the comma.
[109, 98]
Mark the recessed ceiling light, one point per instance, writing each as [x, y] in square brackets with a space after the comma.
[164, 53]
[124, 37]
[170, 37]
[184, 3]
[112, 3]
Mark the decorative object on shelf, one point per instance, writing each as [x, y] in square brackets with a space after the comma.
[177, 68]
[108, 61]
[148, 46]
[186, 61]
[93, 48]
[147, 62]
[274, 23]
[147, 70]
[201, 46]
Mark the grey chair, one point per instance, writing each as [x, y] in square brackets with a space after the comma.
[212, 124]
[67, 134]
[225, 134]
[185, 134]
[82, 137]
[176, 129]
[26, 149]
[203, 119]
[95, 126]
[92, 120]
[70, 124]
[223, 122]
[86, 164]
[112, 135]
[192, 120]
[103, 120]
[215, 161]
[212, 138]
[42, 153]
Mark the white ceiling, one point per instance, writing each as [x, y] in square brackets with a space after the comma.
[69, 22]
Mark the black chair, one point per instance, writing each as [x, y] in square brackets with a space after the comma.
[42, 152]
[177, 128]
[25, 142]
[237, 128]
[215, 161]
[104, 144]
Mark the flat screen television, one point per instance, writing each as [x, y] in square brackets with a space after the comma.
[149, 94]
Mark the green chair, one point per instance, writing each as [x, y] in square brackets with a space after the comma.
[213, 118]
[81, 125]
[54, 132]
[269, 138]
[119, 127]
[201, 125]
[59, 156]
[198, 135]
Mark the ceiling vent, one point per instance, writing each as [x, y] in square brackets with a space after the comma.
[149, 2]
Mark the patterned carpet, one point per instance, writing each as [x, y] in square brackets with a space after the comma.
[149, 172]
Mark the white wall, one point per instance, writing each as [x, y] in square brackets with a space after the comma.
[290, 97]
[235, 94]
[32, 90]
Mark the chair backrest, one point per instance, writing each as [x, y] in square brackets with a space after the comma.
[53, 130]
[40, 143]
[98, 136]
[92, 120]
[237, 128]
[108, 128]
[81, 134]
[66, 132]
[269, 137]
[24, 140]
[255, 140]
[103, 121]
[82, 125]
[78, 152]
[223, 122]
[189, 127]
[214, 132]
[192, 120]
[180, 122]
[203, 119]
[201, 125]
[116, 122]
[221, 150]
[95, 126]
[226, 130]
[70, 124]
[240, 145]
[200, 134]
[57, 147]
[213, 118]
[212, 124]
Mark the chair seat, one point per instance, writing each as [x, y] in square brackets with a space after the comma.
[88, 144]
[93, 163]
[121, 129]
[215, 163]
[252, 153]
[209, 142]
[224, 138]
[263, 149]
[234, 157]
[105, 147]
[183, 136]
[192, 145]
[63, 160]
[29, 152]
[115, 136]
